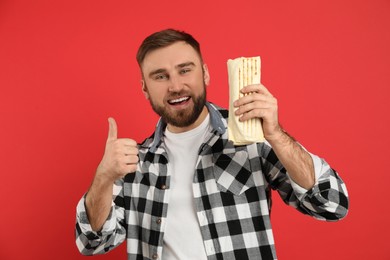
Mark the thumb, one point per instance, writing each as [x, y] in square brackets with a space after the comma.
[112, 129]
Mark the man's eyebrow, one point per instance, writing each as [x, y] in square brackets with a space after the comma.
[185, 64]
[179, 66]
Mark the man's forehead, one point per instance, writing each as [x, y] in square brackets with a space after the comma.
[171, 56]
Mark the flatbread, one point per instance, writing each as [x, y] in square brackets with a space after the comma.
[242, 72]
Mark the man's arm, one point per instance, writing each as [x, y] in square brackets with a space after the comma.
[99, 226]
[261, 104]
[120, 157]
[297, 161]
[110, 235]
[318, 190]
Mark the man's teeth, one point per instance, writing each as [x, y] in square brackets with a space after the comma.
[178, 100]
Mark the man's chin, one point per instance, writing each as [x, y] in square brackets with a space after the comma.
[181, 119]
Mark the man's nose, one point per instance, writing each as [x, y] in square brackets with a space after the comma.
[175, 84]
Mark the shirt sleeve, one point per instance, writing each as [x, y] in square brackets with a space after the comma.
[326, 200]
[299, 190]
[111, 235]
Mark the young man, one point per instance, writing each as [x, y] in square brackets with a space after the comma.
[187, 192]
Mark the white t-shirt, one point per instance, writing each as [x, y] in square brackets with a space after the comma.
[182, 238]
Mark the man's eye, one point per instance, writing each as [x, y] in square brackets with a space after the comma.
[184, 71]
[161, 77]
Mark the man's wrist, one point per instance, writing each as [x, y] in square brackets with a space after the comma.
[279, 137]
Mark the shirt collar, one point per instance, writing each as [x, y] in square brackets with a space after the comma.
[215, 120]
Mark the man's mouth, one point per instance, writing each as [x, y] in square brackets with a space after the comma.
[178, 101]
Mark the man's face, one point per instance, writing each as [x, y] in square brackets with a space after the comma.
[175, 83]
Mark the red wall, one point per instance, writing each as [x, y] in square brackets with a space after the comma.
[65, 66]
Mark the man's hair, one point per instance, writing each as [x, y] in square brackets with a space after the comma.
[165, 38]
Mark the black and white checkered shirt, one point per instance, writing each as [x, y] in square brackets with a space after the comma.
[232, 192]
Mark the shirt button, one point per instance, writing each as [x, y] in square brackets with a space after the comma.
[155, 256]
[158, 221]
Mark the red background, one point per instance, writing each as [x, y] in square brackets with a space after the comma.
[65, 66]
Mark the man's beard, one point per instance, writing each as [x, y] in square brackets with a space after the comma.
[184, 117]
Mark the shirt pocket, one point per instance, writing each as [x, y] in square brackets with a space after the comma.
[233, 173]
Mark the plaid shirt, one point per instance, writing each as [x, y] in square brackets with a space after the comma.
[232, 192]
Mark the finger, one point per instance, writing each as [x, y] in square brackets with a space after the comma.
[127, 169]
[255, 113]
[125, 142]
[130, 150]
[131, 168]
[131, 159]
[112, 129]
[127, 160]
[128, 142]
[259, 88]
[259, 104]
[250, 98]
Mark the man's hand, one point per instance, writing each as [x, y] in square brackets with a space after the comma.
[258, 102]
[120, 156]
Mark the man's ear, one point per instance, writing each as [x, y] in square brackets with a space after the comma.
[144, 89]
[206, 75]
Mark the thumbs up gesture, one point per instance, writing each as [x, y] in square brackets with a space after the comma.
[120, 155]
